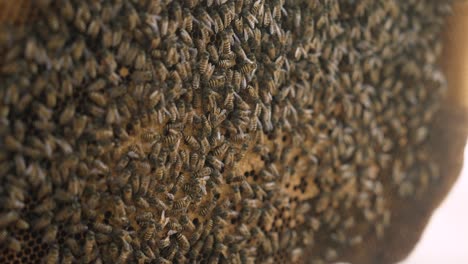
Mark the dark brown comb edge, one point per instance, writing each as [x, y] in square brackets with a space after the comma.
[455, 56]
[410, 216]
[449, 135]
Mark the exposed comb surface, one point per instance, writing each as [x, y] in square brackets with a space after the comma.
[214, 131]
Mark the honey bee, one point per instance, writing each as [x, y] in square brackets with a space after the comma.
[124, 253]
[90, 242]
[229, 159]
[103, 134]
[204, 172]
[107, 38]
[113, 115]
[258, 233]
[117, 34]
[160, 172]
[226, 43]
[67, 256]
[122, 164]
[144, 178]
[149, 231]
[79, 124]
[72, 244]
[94, 28]
[196, 234]
[257, 7]
[77, 228]
[14, 244]
[123, 177]
[206, 126]
[102, 228]
[174, 225]
[140, 61]
[214, 56]
[8, 218]
[218, 22]
[238, 25]
[134, 151]
[182, 203]
[205, 209]
[76, 212]
[172, 138]
[21, 224]
[140, 257]
[184, 70]
[162, 260]
[187, 223]
[194, 159]
[100, 167]
[215, 162]
[249, 18]
[209, 73]
[53, 255]
[146, 249]
[141, 76]
[237, 194]
[208, 245]
[42, 222]
[133, 18]
[171, 251]
[204, 17]
[236, 7]
[113, 250]
[188, 20]
[164, 242]
[247, 190]
[247, 68]
[185, 36]
[63, 214]
[162, 73]
[227, 63]
[205, 145]
[196, 81]
[67, 11]
[127, 193]
[218, 118]
[221, 249]
[43, 111]
[228, 13]
[50, 234]
[192, 142]
[216, 138]
[183, 242]
[229, 100]
[203, 63]
[142, 202]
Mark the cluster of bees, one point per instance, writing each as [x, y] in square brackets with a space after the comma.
[194, 131]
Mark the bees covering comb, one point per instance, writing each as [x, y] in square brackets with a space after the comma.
[17, 12]
[215, 131]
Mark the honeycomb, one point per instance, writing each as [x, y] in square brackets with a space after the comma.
[213, 131]
[33, 250]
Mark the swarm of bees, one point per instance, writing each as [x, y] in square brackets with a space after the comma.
[225, 131]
